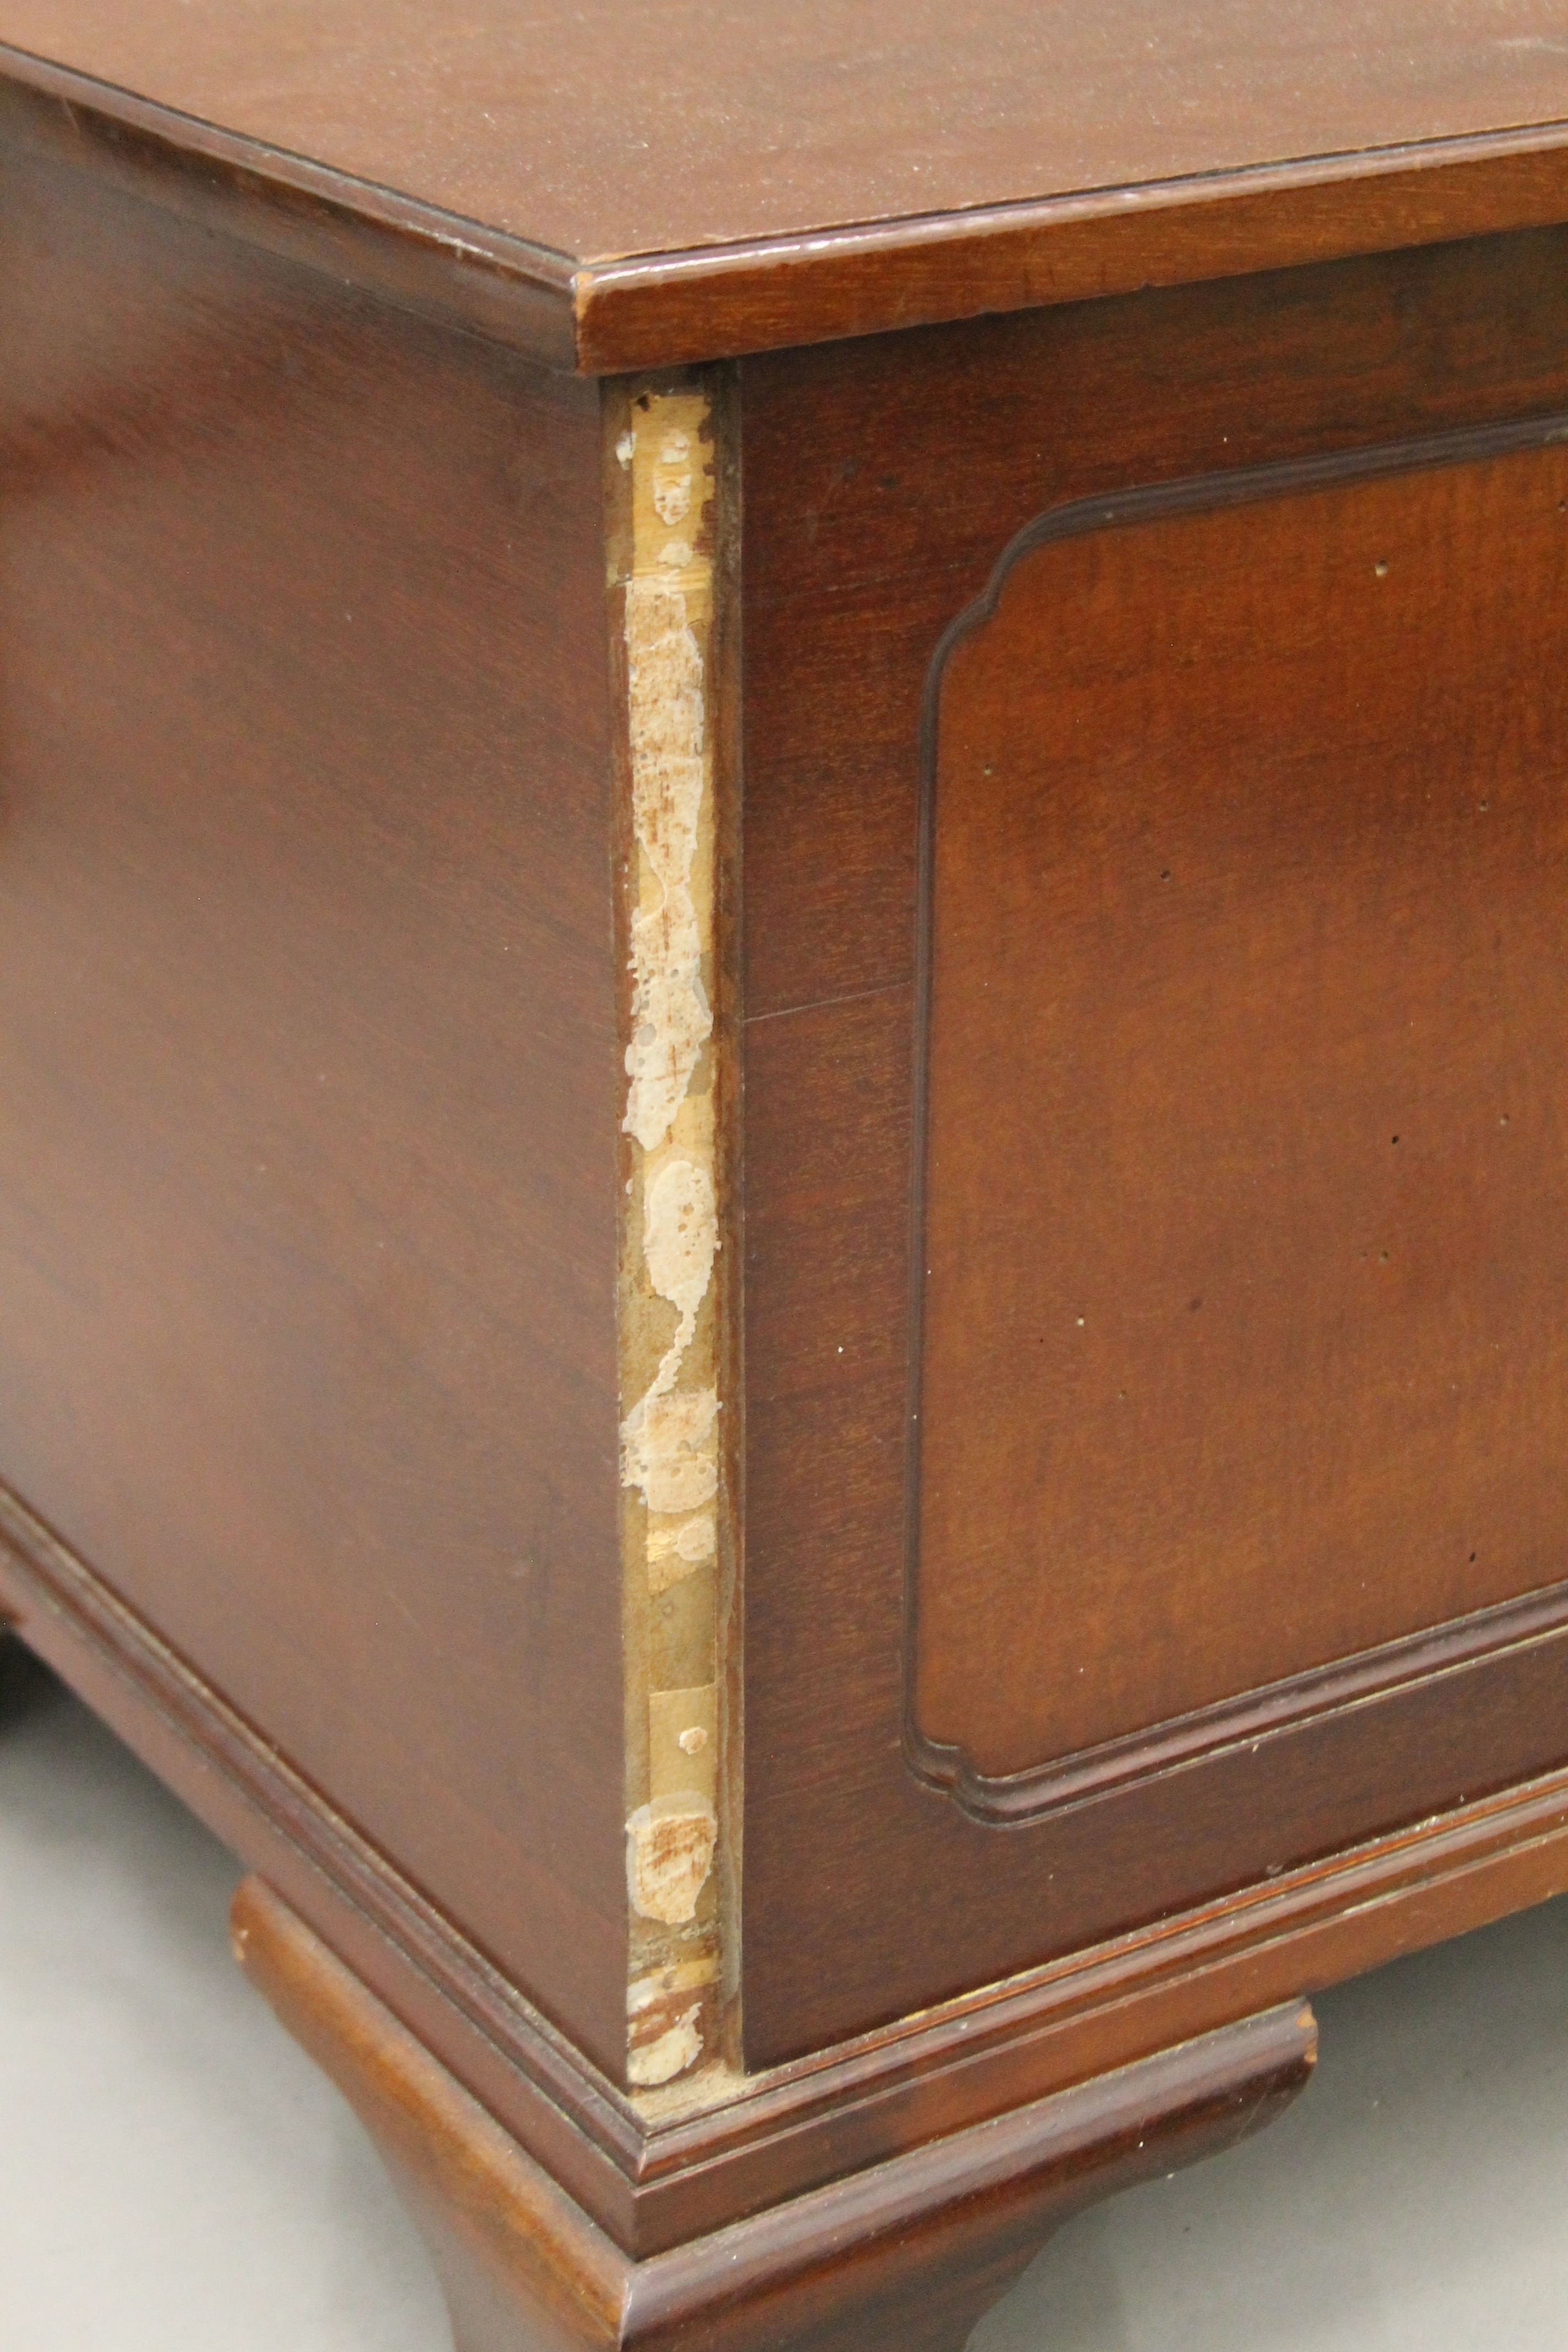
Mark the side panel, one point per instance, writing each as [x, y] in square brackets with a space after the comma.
[309, 1077]
[883, 480]
[1240, 1340]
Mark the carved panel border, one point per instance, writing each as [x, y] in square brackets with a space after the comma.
[1158, 1748]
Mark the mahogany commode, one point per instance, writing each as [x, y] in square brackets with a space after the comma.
[782, 1178]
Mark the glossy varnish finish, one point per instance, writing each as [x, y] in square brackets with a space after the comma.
[655, 2176]
[1240, 1349]
[865, 541]
[622, 192]
[907, 2253]
[324, 745]
[598, 134]
[309, 1075]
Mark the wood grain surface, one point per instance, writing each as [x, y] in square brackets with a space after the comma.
[643, 188]
[1240, 1348]
[653, 2180]
[867, 535]
[601, 132]
[310, 1078]
[904, 2253]
[309, 1074]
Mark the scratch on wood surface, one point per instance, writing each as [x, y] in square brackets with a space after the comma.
[669, 1351]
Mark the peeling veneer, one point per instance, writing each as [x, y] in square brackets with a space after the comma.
[665, 2010]
[669, 1333]
[669, 1856]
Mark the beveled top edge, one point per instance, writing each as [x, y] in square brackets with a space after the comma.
[729, 301]
[669, 308]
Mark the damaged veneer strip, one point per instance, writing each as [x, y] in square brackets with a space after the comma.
[664, 485]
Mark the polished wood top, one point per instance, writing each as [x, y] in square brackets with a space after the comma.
[608, 129]
[697, 179]
[800, 159]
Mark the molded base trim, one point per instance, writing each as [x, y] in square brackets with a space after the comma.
[653, 2177]
[908, 2252]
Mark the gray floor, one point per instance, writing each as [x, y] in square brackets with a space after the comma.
[175, 2177]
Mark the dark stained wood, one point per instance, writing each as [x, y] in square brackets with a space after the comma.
[924, 454]
[652, 2183]
[1246, 1198]
[311, 1079]
[310, 1071]
[646, 189]
[908, 2252]
[883, 480]
[597, 133]
[950, 2066]
[726, 302]
[573, 2116]
[381, 243]
[867, 1893]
